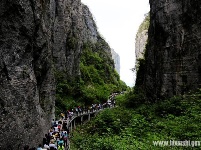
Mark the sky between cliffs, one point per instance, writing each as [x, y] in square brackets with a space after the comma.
[118, 22]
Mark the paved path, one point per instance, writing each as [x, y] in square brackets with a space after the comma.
[83, 116]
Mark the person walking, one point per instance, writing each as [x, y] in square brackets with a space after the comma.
[52, 145]
[26, 147]
[39, 147]
[65, 138]
[61, 147]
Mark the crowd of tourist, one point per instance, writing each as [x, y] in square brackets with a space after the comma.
[58, 136]
[56, 139]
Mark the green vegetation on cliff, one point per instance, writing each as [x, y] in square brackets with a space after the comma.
[141, 42]
[98, 75]
[97, 79]
[122, 128]
[145, 24]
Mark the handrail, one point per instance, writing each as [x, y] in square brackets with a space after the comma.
[82, 114]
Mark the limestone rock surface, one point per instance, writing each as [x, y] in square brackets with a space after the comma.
[172, 60]
[37, 39]
[116, 58]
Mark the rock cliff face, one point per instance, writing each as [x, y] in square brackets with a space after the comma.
[73, 25]
[141, 40]
[37, 39]
[173, 54]
[26, 78]
[116, 59]
[140, 43]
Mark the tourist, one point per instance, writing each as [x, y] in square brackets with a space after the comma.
[53, 122]
[60, 147]
[62, 116]
[57, 136]
[51, 132]
[26, 147]
[56, 129]
[76, 110]
[60, 141]
[45, 140]
[48, 138]
[52, 145]
[65, 138]
[59, 126]
[46, 146]
[39, 147]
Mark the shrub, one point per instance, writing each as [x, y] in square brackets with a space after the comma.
[124, 128]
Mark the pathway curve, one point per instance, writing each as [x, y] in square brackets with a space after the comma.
[76, 118]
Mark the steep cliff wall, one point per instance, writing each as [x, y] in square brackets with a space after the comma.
[37, 39]
[173, 55]
[141, 40]
[73, 25]
[26, 77]
[116, 58]
[140, 43]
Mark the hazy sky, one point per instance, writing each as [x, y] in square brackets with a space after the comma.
[118, 22]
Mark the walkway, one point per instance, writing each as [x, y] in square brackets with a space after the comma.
[76, 118]
[80, 118]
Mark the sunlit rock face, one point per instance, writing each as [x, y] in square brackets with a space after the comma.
[140, 43]
[116, 58]
[141, 40]
[140, 49]
[38, 38]
[173, 64]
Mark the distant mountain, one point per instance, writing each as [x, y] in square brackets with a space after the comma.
[116, 58]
